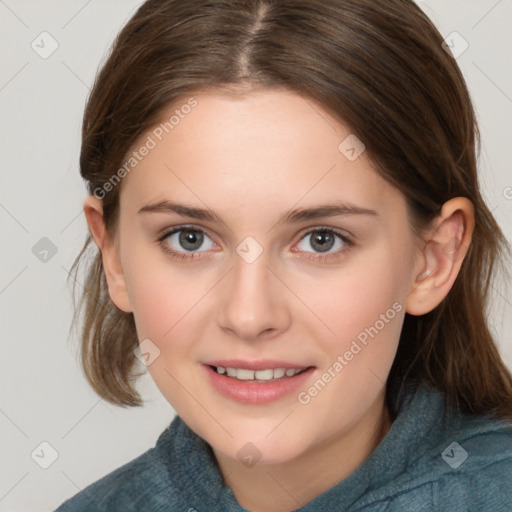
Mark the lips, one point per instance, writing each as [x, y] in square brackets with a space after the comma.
[253, 390]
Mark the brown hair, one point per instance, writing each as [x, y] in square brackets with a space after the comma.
[379, 67]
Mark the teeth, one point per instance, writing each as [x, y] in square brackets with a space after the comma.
[245, 374]
[260, 375]
[264, 374]
[279, 372]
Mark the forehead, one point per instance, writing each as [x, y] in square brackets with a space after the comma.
[252, 150]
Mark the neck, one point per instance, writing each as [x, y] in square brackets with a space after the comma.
[292, 484]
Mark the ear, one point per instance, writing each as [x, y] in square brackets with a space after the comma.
[114, 275]
[445, 246]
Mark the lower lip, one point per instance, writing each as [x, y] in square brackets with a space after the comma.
[252, 392]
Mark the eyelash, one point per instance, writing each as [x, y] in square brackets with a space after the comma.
[320, 257]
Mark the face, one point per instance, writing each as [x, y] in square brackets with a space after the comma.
[257, 285]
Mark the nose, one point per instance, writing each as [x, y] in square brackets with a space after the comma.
[254, 301]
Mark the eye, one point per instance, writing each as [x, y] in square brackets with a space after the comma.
[323, 240]
[182, 240]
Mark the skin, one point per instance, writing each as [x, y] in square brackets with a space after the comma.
[249, 158]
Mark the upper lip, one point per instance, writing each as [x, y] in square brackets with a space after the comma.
[263, 364]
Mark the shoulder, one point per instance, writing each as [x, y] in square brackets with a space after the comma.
[471, 465]
[480, 465]
[142, 484]
[446, 460]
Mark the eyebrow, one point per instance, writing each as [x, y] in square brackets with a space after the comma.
[291, 216]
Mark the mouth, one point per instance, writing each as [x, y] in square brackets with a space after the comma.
[256, 382]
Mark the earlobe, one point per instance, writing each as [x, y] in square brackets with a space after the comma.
[114, 275]
[442, 255]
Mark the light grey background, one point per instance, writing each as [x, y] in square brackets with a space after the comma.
[44, 396]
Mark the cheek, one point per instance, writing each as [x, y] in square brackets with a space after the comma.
[161, 293]
[167, 309]
[355, 297]
[364, 313]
